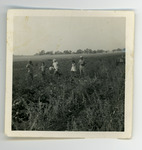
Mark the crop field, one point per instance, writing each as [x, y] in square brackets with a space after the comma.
[93, 102]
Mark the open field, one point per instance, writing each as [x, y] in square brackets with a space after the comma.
[60, 56]
[94, 102]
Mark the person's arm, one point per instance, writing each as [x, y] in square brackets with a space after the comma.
[27, 65]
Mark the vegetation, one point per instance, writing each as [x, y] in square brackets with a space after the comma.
[79, 51]
[94, 102]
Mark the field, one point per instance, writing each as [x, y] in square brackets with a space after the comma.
[94, 102]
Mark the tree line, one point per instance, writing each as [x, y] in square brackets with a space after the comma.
[79, 51]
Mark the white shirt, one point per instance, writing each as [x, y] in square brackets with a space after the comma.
[55, 65]
[42, 68]
[73, 68]
[81, 62]
[30, 68]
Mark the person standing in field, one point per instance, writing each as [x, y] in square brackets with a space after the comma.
[56, 67]
[29, 66]
[73, 68]
[43, 68]
[82, 64]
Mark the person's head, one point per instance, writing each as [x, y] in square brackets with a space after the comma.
[73, 61]
[30, 62]
[43, 63]
[54, 60]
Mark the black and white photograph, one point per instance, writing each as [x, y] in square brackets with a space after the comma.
[70, 72]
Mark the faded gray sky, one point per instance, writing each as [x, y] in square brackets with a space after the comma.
[32, 34]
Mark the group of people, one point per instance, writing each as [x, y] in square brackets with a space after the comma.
[54, 68]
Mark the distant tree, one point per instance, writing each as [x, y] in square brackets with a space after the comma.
[42, 52]
[88, 51]
[117, 50]
[49, 53]
[58, 52]
[100, 51]
[94, 51]
[36, 54]
[67, 51]
[79, 51]
[73, 52]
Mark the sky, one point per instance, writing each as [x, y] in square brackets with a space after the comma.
[33, 34]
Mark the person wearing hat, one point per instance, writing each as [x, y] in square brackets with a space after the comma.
[82, 64]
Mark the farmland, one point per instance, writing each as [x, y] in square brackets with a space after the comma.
[94, 102]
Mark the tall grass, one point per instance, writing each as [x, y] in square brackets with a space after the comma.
[94, 102]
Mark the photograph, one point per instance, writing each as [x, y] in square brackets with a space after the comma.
[69, 73]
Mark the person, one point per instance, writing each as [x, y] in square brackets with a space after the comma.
[82, 64]
[120, 60]
[29, 66]
[73, 68]
[56, 67]
[51, 69]
[43, 68]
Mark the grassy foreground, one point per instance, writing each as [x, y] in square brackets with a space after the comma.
[94, 102]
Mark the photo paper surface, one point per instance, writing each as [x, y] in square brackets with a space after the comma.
[69, 73]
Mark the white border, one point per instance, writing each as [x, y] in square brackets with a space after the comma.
[129, 73]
